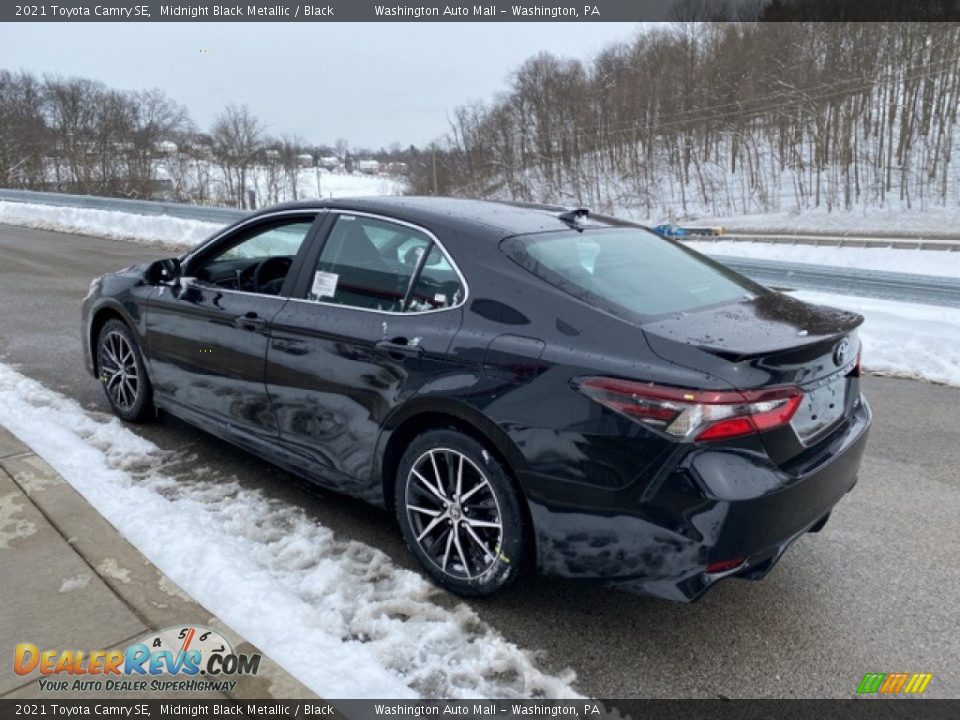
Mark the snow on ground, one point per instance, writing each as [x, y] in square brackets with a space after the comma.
[885, 222]
[311, 184]
[335, 613]
[903, 339]
[152, 229]
[920, 262]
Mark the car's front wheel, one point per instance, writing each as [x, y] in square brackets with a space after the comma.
[122, 373]
[460, 514]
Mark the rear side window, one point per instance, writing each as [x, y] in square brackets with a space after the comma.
[438, 285]
[628, 271]
[370, 263]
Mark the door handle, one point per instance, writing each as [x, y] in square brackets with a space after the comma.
[251, 321]
[400, 346]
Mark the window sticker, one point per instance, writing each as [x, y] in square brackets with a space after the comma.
[324, 285]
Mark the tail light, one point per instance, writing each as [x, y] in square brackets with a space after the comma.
[695, 414]
[725, 565]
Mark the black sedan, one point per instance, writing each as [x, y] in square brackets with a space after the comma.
[523, 386]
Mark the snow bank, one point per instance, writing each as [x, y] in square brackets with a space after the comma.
[149, 229]
[920, 262]
[890, 222]
[335, 613]
[903, 339]
[177, 233]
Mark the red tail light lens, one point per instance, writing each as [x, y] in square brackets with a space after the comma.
[725, 565]
[695, 414]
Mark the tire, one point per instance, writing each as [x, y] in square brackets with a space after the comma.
[472, 544]
[123, 373]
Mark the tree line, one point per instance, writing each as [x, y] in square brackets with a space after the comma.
[720, 118]
[79, 136]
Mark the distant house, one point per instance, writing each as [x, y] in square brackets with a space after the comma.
[395, 168]
[167, 147]
[201, 145]
[367, 167]
[305, 160]
[329, 162]
[271, 154]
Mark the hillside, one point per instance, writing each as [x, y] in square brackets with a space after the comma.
[722, 119]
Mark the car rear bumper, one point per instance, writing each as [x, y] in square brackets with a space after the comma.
[713, 505]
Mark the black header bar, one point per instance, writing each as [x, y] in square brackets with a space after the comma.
[874, 709]
[493, 11]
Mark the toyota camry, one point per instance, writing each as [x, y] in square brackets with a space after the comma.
[523, 387]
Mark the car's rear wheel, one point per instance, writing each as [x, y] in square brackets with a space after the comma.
[122, 373]
[460, 514]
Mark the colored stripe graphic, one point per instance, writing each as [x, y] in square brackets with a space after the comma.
[918, 682]
[893, 683]
[870, 683]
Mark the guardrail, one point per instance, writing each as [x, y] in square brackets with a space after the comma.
[858, 241]
[204, 213]
[903, 287]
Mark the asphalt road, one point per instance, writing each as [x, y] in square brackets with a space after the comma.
[876, 591]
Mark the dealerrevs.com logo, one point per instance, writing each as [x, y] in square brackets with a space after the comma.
[180, 659]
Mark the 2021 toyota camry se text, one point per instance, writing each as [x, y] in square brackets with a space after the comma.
[523, 387]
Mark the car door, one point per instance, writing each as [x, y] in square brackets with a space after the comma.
[207, 334]
[376, 308]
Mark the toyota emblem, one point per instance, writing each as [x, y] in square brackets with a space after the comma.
[840, 352]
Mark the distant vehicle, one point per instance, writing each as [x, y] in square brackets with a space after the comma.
[671, 230]
[521, 386]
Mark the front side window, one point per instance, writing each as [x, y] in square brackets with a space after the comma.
[280, 240]
[370, 263]
[257, 259]
[628, 271]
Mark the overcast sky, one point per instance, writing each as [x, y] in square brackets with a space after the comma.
[371, 83]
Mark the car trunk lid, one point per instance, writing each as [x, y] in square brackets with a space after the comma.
[772, 340]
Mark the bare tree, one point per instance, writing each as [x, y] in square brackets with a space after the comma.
[720, 117]
[236, 137]
[24, 136]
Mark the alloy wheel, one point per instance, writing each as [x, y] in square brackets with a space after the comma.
[118, 370]
[454, 513]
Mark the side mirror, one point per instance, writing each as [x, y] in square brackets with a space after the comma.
[163, 272]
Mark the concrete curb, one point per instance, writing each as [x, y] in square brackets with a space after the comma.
[79, 584]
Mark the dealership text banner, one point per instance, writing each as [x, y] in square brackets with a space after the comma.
[514, 11]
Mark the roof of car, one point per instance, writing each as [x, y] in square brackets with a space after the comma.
[495, 218]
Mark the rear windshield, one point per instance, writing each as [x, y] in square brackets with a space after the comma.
[628, 270]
